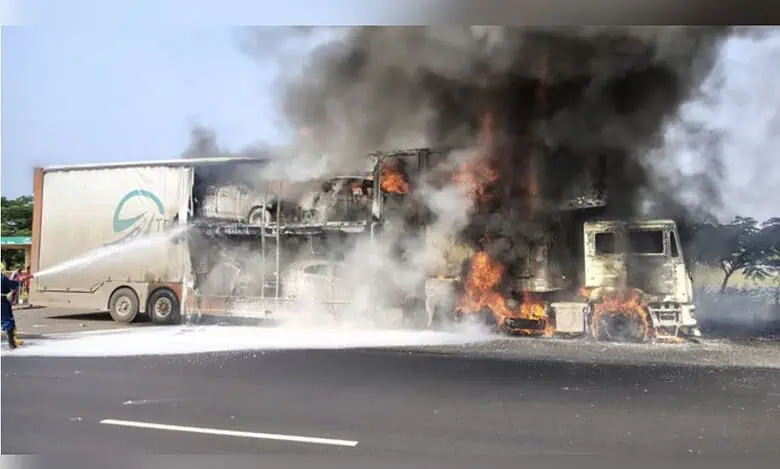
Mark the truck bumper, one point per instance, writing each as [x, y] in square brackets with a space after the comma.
[673, 315]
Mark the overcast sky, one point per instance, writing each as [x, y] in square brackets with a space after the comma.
[124, 92]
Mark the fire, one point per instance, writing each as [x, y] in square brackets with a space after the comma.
[480, 293]
[476, 174]
[621, 304]
[391, 179]
[483, 277]
[485, 273]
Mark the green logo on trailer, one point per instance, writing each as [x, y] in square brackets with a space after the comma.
[131, 223]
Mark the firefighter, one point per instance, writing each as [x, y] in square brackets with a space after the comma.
[8, 323]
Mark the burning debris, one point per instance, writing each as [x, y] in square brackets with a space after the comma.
[481, 294]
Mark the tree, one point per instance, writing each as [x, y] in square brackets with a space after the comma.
[16, 215]
[742, 245]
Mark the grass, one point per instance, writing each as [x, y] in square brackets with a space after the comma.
[711, 277]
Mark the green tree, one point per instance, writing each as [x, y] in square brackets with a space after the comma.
[16, 215]
[742, 245]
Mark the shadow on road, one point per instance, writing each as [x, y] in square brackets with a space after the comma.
[95, 316]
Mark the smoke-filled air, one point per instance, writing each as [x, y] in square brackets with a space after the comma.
[531, 129]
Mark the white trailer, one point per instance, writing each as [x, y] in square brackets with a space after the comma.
[83, 208]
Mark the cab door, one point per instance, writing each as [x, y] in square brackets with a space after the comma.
[650, 266]
[605, 254]
[683, 281]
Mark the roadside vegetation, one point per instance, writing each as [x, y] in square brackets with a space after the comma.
[16, 216]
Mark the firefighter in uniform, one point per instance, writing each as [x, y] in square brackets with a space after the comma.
[8, 323]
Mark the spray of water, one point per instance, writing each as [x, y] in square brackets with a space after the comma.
[209, 339]
[138, 244]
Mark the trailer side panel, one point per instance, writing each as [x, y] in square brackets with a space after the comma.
[99, 210]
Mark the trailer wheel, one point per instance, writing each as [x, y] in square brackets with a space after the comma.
[123, 305]
[164, 307]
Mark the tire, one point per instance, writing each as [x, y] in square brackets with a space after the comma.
[620, 327]
[164, 307]
[123, 305]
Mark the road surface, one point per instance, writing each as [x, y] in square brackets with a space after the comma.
[386, 406]
[41, 321]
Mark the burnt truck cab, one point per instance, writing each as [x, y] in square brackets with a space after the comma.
[638, 263]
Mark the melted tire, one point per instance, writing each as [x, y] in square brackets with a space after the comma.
[620, 327]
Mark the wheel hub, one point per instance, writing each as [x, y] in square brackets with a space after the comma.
[162, 307]
[123, 306]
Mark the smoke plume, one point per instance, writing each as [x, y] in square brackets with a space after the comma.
[564, 106]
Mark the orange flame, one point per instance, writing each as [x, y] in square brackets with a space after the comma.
[626, 303]
[477, 174]
[480, 293]
[391, 180]
[484, 273]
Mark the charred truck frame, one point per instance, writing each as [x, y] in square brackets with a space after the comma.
[576, 273]
[289, 246]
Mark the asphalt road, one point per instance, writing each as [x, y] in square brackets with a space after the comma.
[398, 407]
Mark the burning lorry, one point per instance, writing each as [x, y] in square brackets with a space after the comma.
[572, 273]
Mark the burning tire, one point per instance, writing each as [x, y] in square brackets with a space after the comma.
[164, 307]
[123, 305]
[620, 326]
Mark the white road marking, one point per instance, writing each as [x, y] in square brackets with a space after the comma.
[236, 433]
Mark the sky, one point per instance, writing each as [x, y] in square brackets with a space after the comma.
[131, 90]
[80, 95]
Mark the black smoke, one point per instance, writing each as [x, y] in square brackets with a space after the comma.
[565, 102]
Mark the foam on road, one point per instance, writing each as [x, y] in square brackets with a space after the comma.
[177, 340]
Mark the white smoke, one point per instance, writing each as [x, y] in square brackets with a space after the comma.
[736, 114]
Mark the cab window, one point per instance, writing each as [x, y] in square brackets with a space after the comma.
[606, 243]
[673, 244]
[646, 241]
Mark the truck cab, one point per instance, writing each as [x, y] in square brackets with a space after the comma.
[644, 256]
